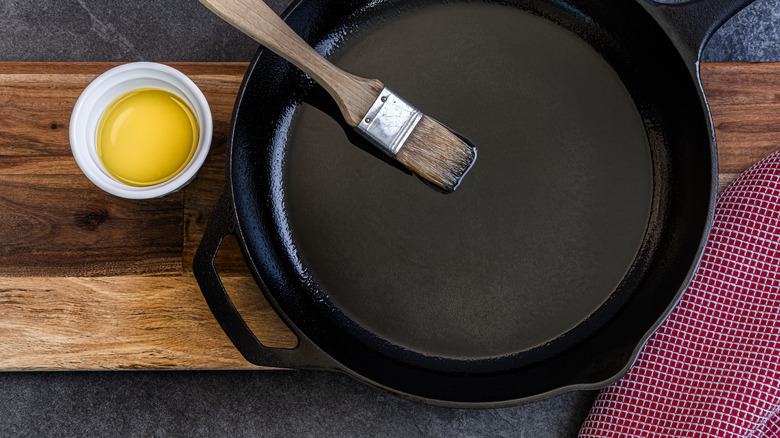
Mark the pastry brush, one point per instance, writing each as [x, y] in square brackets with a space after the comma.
[417, 141]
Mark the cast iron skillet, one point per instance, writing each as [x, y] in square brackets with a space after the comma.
[563, 250]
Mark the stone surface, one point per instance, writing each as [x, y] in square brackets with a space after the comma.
[184, 30]
[301, 404]
[248, 404]
[752, 35]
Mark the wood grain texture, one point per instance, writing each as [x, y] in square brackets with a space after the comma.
[59, 225]
[744, 100]
[56, 222]
[128, 322]
[90, 281]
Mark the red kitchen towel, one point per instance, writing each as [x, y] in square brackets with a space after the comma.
[713, 367]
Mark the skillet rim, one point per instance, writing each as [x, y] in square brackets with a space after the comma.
[564, 388]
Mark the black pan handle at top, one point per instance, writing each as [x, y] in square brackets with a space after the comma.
[222, 224]
[691, 23]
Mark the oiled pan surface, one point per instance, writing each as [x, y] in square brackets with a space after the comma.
[566, 245]
[542, 230]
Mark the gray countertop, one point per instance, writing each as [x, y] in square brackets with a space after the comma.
[267, 403]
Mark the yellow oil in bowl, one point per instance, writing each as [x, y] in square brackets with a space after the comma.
[146, 137]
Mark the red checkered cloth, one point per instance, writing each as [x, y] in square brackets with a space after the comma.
[713, 367]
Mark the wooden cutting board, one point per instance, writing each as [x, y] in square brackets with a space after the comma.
[91, 281]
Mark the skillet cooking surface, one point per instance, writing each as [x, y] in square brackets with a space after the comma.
[542, 230]
[565, 246]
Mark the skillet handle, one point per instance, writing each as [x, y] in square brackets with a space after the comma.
[691, 23]
[220, 225]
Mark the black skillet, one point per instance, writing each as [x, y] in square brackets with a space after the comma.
[565, 247]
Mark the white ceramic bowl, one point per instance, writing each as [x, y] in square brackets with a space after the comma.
[102, 92]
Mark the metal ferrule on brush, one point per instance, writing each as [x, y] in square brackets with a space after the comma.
[389, 122]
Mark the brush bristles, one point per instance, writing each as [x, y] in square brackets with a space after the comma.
[436, 154]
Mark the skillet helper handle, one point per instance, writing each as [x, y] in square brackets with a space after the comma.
[691, 23]
[304, 355]
[353, 94]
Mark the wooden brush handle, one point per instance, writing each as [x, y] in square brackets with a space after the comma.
[353, 94]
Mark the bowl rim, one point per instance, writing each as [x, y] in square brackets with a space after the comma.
[102, 91]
